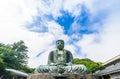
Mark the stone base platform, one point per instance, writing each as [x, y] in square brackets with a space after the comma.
[57, 76]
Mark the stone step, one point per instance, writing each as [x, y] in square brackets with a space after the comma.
[58, 76]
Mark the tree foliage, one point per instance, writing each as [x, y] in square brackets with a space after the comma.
[14, 56]
[91, 65]
[21, 50]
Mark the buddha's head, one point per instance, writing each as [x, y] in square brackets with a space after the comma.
[60, 44]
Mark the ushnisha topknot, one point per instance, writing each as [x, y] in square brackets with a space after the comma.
[60, 40]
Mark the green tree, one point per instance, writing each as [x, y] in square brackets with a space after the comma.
[14, 56]
[21, 50]
[28, 69]
[2, 67]
[9, 56]
[2, 63]
[91, 65]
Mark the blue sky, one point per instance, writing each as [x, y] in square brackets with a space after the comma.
[66, 20]
[90, 29]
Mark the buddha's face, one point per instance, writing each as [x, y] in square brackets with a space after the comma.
[60, 44]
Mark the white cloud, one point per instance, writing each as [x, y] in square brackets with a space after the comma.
[105, 45]
[14, 14]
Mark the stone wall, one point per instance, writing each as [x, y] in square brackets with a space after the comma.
[54, 75]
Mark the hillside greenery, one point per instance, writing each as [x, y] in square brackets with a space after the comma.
[91, 65]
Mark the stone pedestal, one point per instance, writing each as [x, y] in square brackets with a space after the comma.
[57, 76]
[60, 77]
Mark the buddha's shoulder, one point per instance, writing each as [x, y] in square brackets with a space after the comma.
[66, 50]
[53, 51]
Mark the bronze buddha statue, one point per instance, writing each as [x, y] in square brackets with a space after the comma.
[61, 61]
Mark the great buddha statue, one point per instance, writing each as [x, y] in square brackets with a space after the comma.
[61, 61]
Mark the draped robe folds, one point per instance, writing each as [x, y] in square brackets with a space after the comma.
[53, 57]
[64, 59]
